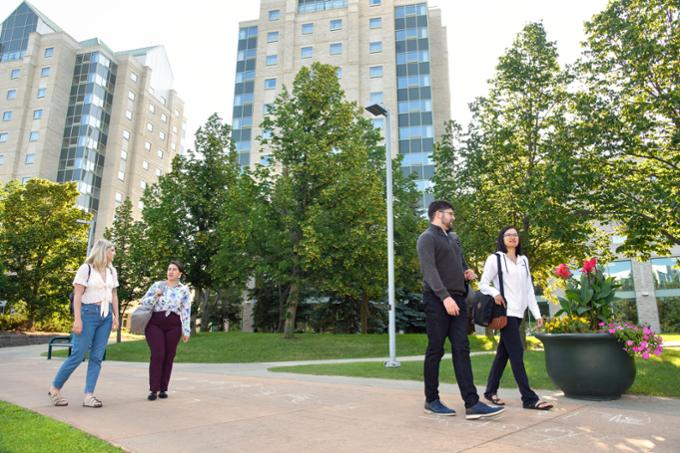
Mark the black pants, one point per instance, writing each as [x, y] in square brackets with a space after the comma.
[440, 326]
[510, 347]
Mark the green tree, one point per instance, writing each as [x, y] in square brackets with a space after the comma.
[41, 245]
[629, 121]
[314, 132]
[182, 211]
[513, 165]
[132, 257]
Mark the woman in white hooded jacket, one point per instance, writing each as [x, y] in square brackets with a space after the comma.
[518, 294]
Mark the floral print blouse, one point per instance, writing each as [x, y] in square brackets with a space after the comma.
[173, 300]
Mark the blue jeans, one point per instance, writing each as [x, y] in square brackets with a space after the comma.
[93, 338]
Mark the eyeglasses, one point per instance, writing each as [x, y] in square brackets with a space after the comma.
[511, 235]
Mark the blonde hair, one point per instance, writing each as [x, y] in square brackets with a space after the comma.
[97, 257]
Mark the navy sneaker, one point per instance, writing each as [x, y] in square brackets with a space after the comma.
[436, 407]
[480, 410]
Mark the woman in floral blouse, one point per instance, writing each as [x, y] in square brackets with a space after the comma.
[171, 304]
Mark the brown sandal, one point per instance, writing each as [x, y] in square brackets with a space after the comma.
[57, 399]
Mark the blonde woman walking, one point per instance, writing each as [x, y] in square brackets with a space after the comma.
[95, 314]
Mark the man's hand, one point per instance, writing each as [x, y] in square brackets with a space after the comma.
[499, 300]
[470, 275]
[451, 306]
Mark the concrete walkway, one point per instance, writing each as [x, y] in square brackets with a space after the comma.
[244, 408]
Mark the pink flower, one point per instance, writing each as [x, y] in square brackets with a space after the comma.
[612, 330]
[643, 344]
[601, 324]
[645, 355]
[589, 265]
[629, 343]
[562, 271]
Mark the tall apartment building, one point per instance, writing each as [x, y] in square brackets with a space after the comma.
[77, 111]
[389, 52]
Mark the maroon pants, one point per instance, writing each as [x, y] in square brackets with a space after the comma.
[162, 335]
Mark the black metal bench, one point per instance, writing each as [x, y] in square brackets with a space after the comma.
[66, 342]
[62, 341]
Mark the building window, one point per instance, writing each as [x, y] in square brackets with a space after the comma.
[42, 92]
[30, 158]
[14, 73]
[145, 165]
[375, 47]
[338, 73]
[374, 2]
[375, 22]
[376, 98]
[49, 52]
[25, 179]
[666, 273]
[11, 94]
[2, 159]
[147, 146]
[174, 129]
[162, 135]
[376, 71]
[164, 118]
[37, 114]
[34, 136]
[173, 146]
[142, 185]
[273, 36]
[336, 24]
[306, 52]
[159, 153]
[134, 77]
[7, 116]
[3, 137]
[119, 197]
[272, 60]
[45, 72]
[163, 100]
[140, 204]
[152, 108]
[123, 154]
[149, 127]
[128, 114]
[336, 48]
[270, 84]
[121, 175]
[158, 172]
[307, 29]
[131, 95]
[274, 14]
[126, 135]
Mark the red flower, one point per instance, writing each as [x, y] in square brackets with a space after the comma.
[589, 265]
[562, 271]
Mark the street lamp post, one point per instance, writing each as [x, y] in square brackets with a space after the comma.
[90, 233]
[378, 110]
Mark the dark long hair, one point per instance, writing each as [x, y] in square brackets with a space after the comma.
[500, 245]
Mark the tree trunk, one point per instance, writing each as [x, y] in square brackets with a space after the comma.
[202, 295]
[284, 291]
[291, 310]
[363, 313]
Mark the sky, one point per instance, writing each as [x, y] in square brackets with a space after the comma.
[200, 37]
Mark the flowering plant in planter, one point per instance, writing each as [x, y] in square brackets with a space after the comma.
[640, 340]
[590, 296]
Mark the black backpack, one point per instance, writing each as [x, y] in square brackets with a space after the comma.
[484, 307]
[72, 295]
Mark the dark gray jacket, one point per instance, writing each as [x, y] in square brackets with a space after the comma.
[442, 263]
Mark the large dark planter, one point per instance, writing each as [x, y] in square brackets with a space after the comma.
[591, 366]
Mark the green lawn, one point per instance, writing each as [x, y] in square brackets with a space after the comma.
[657, 376]
[24, 431]
[235, 347]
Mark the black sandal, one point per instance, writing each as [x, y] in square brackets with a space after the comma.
[495, 400]
[539, 406]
